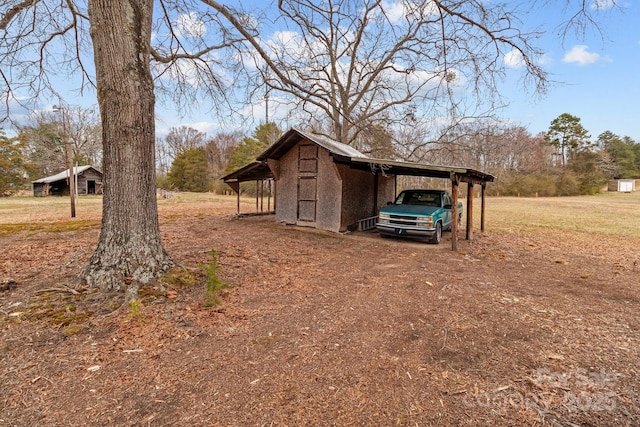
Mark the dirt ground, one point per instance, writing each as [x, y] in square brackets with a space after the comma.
[325, 329]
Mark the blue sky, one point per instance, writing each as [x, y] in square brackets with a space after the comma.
[598, 77]
[595, 75]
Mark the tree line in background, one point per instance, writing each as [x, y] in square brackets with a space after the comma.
[560, 162]
[186, 159]
[189, 160]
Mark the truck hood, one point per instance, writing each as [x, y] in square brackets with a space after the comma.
[413, 210]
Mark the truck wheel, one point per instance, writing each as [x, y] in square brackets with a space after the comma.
[438, 234]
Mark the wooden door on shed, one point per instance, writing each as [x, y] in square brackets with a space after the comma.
[307, 182]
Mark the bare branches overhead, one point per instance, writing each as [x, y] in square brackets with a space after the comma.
[360, 63]
[342, 64]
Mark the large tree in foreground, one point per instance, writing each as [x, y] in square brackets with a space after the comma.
[129, 249]
[43, 41]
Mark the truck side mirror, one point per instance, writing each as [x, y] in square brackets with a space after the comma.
[389, 203]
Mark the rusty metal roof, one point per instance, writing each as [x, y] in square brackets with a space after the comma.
[293, 136]
[251, 172]
[347, 155]
[392, 167]
[77, 170]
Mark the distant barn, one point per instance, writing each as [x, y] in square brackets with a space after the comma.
[89, 181]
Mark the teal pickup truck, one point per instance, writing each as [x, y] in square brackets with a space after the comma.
[418, 213]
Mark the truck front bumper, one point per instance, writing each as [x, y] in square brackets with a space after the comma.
[395, 230]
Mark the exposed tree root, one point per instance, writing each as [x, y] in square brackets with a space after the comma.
[111, 272]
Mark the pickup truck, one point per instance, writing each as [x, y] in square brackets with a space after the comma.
[418, 213]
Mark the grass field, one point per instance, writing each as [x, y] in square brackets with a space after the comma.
[613, 214]
[22, 213]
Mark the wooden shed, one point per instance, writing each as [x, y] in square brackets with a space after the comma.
[325, 184]
[88, 181]
[316, 191]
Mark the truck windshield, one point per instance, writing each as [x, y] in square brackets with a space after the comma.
[418, 198]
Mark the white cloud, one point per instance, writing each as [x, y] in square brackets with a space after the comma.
[603, 4]
[579, 54]
[513, 59]
[395, 10]
[287, 38]
[544, 60]
[189, 24]
[398, 10]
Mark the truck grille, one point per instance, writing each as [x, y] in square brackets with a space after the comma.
[402, 219]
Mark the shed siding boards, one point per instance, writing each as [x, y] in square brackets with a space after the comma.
[41, 189]
[343, 195]
[298, 182]
[330, 184]
[362, 196]
[89, 182]
[287, 188]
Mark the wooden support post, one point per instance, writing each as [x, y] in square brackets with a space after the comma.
[376, 184]
[235, 185]
[269, 197]
[257, 194]
[482, 217]
[262, 196]
[470, 211]
[454, 211]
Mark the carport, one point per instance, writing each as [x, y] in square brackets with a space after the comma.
[261, 174]
[456, 174]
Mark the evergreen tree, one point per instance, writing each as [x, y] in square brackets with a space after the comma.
[250, 147]
[636, 151]
[13, 165]
[189, 171]
[568, 136]
[622, 152]
[587, 172]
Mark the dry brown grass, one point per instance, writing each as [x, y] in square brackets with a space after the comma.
[529, 324]
[613, 214]
[23, 213]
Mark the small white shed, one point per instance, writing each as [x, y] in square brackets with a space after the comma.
[623, 185]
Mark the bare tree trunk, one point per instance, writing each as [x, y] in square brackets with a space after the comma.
[130, 250]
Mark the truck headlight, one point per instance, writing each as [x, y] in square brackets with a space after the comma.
[424, 221]
[383, 218]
